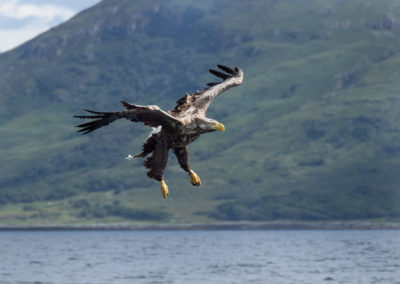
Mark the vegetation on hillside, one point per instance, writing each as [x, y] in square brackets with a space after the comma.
[312, 134]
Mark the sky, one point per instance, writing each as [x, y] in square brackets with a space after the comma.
[22, 20]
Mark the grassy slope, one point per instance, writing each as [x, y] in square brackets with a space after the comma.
[311, 134]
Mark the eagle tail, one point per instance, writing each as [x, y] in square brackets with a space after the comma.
[158, 160]
[101, 119]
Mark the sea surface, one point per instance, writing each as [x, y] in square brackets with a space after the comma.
[200, 256]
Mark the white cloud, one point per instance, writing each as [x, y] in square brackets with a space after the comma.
[37, 18]
[13, 37]
[17, 10]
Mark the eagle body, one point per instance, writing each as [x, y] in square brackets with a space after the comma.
[173, 130]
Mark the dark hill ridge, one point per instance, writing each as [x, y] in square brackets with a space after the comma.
[312, 134]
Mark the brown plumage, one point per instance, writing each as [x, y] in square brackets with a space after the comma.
[174, 129]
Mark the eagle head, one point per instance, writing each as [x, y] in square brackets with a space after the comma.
[209, 125]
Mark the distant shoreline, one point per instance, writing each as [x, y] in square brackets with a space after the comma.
[351, 225]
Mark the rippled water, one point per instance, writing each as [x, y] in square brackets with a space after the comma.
[200, 257]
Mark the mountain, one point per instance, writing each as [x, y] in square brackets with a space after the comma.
[312, 134]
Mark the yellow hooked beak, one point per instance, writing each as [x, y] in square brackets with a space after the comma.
[220, 127]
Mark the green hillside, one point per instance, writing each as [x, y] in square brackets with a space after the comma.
[312, 134]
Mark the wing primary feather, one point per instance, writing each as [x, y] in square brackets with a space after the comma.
[83, 129]
[128, 105]
[88, 116]
[219, 74]
[212, 84]
[92, 123]
[226, 69]
[88, 131]
[97, 112]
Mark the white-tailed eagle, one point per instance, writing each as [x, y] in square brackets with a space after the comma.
[174, 129]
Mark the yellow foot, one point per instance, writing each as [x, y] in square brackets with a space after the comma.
[164, 189]
[194, 179]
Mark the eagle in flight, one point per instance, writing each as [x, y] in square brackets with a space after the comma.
[174, 129]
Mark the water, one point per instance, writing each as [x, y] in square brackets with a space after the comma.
[200, 257]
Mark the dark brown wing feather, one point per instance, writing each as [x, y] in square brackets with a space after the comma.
[226, 69]
[200, 100]
[219, 74]
[102, 119]
[150, 115]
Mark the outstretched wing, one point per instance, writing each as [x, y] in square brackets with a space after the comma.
[199, 101]
[151, 116]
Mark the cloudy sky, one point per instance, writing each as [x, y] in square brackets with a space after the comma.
[21, 20]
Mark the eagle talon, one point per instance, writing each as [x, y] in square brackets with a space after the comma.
[194, 179]
[164, 189]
